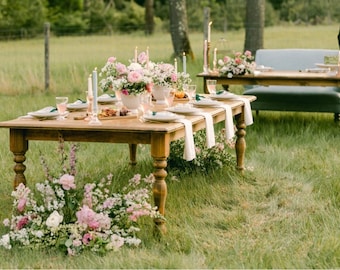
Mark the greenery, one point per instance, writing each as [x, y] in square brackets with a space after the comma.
[283, 213]
[25, 19]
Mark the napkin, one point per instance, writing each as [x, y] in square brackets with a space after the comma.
[229, 123]
[189, 144]
[209, 128]
[248, 116]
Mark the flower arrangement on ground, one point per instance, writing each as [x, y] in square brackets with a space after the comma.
[240, 64]
[132, 79]
[207, 159]
[59, 214]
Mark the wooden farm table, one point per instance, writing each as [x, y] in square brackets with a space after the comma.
[130, 131]
[301, 78]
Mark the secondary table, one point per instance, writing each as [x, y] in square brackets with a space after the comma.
[130, 131]
[301, 78]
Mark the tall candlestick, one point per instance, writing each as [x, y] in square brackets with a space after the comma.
[95, 90]
[136, 54]
[209, 31]
[215, 59]
[89, 86]
[205, 51]
[184, 63]
[175, 66]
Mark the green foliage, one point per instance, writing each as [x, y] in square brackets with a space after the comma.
[69, 23]
[207, 159]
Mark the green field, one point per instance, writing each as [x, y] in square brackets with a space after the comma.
[284, 213]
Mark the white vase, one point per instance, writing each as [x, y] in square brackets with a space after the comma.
[160, 93]
[131, 102]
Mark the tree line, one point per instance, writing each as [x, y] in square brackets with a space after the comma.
[25, 19]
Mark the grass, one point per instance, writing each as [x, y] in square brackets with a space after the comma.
[284, 213]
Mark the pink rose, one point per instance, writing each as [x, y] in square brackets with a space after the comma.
[67, 181]
[142, 58]
[87, 238]
[134, 77]
[111, 59]
[247, 54]
[121, 68]
[21, 204]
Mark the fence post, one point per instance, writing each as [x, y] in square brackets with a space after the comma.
[47, 67]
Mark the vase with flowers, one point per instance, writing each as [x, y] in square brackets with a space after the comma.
[131, 80]
[239, 64]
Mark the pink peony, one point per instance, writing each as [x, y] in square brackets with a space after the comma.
[111, 59]
[67, 181]
[134, 77]
[21, 204]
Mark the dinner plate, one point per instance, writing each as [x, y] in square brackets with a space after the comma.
[162, 117]
[46, 113]
[184, 109]
[77, 105]
[224, 95]
[106, 98]
[331, 66]
[205, 102]
[318, 70]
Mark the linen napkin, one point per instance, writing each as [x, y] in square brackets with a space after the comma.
[248, 116]
[209, 128]
[189, 144]
[229, 122]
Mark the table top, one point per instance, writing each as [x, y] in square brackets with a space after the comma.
[115, 124]
[278, 77]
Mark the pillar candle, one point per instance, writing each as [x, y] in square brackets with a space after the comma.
[89, 86]
[175, 66]
[95, 90]
[184, 63]
[209, 31]
[205, 51]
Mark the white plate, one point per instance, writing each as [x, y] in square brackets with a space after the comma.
[263, 68]
[205, 102]
[224, 95]
[163, 117]
[105, 98]
[331, 66]
[77, 105]
[183, 109]
[49, 115]
[318, 70]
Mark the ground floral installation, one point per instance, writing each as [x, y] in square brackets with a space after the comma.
[59, 214]
[140, 75]
[239, 64]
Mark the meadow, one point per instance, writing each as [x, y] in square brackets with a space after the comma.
[282, 213]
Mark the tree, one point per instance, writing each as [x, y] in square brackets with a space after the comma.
[149, 17]
[254, 25]
[179, 28]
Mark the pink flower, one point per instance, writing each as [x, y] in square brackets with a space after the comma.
[238, 54]
[111, 59]
[121, 68]
[238, 61]
[87, 238]
[67, 181]
[22, 222]
[134, 77]
[247, 54]
[142, 58]
[22, 204]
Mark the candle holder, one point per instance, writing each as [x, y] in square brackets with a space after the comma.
[94, 121]
[89, 100]
[208, 56]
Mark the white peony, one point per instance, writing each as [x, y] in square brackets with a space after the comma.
[54, 220]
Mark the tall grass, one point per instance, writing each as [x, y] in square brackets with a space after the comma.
[283, 213]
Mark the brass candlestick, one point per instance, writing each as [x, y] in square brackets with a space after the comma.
[208, 56]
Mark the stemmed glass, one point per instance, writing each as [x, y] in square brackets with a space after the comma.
[211, 86]
[61, 107]
[146, 102]
[191, 91]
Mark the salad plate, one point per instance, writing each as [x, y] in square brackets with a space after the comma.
[162, 117]
[206, 102]
[106, 98]
[223, 95]
[184, 109]
[46, 113]
[77, 105]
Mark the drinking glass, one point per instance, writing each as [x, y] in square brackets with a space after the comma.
[211, 86]
[169, 98]
[61, 107]
[191, 91]
[146, 102]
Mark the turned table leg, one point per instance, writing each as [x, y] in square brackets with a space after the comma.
[160, 147]
[240, 146]
[19, 147]
[133, 154]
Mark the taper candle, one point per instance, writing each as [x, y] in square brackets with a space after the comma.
[136, 54]
[175, 66]
[205, 50]
[89, 86]
[209, 31]
[184, 63]
[95, 90]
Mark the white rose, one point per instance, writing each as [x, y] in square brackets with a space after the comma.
[54, 220]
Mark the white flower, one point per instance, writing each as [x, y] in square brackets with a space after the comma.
[5, 241]
[54, 219]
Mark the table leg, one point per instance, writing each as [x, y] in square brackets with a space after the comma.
[133, 152]
[160, 149]
[19, 147]
[240, 146]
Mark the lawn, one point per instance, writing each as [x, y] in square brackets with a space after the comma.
[283, 213]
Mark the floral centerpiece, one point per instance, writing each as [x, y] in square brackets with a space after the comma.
[240, 64]
[132, 79]
[60, 214]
